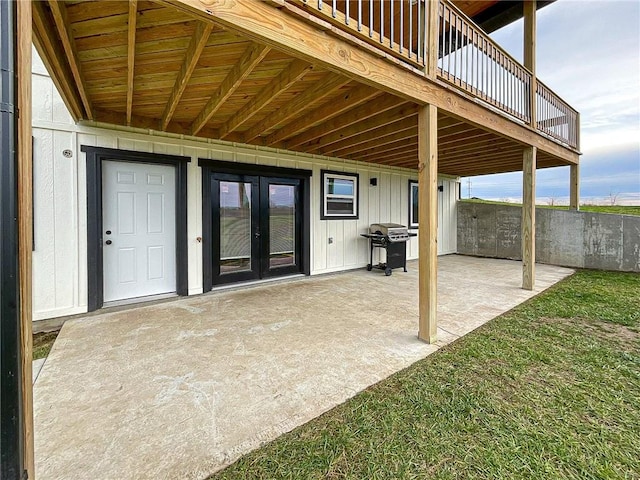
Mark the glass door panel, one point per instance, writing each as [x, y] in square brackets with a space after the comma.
[235, 227]
[235, 223]
[282, 226]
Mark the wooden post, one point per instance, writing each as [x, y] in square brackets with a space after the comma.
[529, 11]
[428, 220]
[25, 225]
[529, 218]
[433, 8]
[574, 188]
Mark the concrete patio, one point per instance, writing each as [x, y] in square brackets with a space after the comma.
[180, 389]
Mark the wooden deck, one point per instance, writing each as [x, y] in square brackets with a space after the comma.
[174, 66]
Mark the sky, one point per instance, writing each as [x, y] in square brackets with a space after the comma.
[588, 52]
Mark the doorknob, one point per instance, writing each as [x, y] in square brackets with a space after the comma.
[257, 234]
[108, 242]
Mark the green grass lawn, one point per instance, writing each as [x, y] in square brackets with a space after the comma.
[548, 390]
[619, 209]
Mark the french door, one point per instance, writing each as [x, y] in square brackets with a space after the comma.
[256, 224]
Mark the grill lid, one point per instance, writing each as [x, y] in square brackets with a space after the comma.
[393, 231]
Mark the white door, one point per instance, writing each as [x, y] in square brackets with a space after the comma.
[138, 237]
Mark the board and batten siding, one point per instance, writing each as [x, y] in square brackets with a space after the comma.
[60, 255]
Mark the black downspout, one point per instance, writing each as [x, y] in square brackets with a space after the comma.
[11, 447]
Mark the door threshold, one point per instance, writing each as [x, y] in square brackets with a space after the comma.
[255, 283]
[136, 300]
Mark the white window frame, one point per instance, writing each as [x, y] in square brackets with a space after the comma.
[325, 197]
[413, 222]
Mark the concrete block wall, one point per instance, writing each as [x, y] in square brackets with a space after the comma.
[574, 239]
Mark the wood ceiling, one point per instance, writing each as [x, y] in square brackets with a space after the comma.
[145, 65]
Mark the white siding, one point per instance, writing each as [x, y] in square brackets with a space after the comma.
[59, 261]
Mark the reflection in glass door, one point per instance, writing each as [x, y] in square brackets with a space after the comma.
[235, 227]
[282, 226]
[256, 227]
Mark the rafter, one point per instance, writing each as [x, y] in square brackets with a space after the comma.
[404, 128]
[376, 108]
[371, 123]
[59, 13]
[241, 70]
[389, 150]
[287, 78]
[322, 89]
[131, 55]
[355, 97]
[54, 61]
[191, 57]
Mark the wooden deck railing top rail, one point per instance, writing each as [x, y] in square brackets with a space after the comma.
[468, 58]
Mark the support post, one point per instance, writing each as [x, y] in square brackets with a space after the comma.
[574, 188]
[529, 218]
[428, 220]
[432, 8]
[25, 225]
[530, 27]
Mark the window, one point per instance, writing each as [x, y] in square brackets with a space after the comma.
[339, 195]
[413, 204]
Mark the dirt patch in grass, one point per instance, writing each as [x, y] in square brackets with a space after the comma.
[42, 343]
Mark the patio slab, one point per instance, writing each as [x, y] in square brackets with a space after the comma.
[178, 390]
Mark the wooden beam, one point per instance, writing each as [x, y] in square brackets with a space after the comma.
[401, 146]
[574, 187]
[372, 122]
[369, 138]
[25, 225]
[131, 54]
[241, 70]
[194, 50]
[59, 13]
[384, 157]
[530, 29]
[322, 89]
[48, 50]
[355, 97]
[410, 133]
[428, 220]
[284, 31]
[353, 116]
[432, 38]
[287, 78]
[529, 218]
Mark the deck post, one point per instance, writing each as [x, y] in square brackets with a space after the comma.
[428, 220]
[25, 225]
[529, 218]
[530, 27]
[432, 38]
[574, 187]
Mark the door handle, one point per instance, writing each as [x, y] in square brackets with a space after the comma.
[108, 242]
[257, 234]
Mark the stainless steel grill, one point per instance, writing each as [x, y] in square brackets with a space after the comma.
[393, 231]
[393, 238]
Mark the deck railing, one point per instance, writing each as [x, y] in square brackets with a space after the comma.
[397, 27]
[470, 60]
[467, 57]
[555, 117]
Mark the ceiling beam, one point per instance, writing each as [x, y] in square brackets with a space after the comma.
[59, 13]
[402, 129]
[374, 108]
[372, 122]
[322, 89]
[241, 70]
[131, 55]
[194, 50]
[389, 150]
[337, 106]
[54, 61]
[285, 80]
